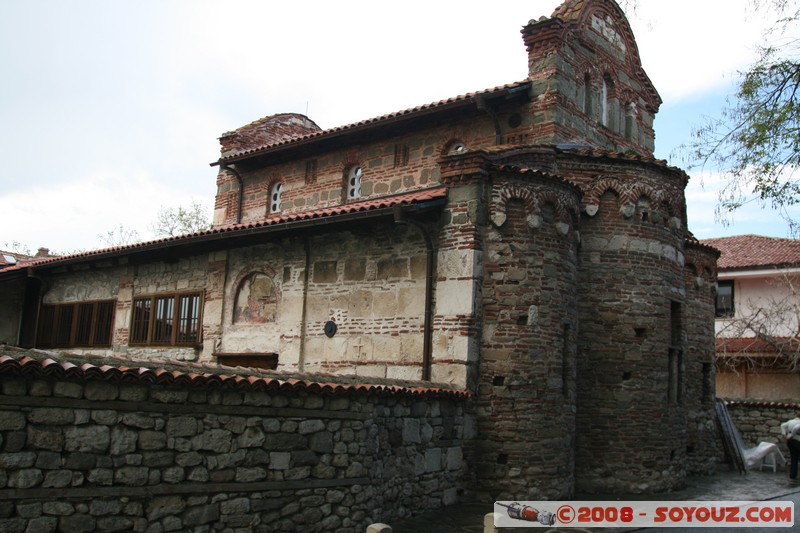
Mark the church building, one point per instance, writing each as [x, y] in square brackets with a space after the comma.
[520, 243]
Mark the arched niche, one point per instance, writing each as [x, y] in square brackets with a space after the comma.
[256, 300]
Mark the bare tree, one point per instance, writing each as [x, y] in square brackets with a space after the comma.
[119, 236]
[180, 220]
[766, 326]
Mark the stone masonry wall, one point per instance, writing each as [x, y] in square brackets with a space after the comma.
[631, 417]
[94, 455]
[761, 421]
[526, 384]
[370, 282]
[700, 279]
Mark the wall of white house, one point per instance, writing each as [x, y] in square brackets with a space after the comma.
[768, 298]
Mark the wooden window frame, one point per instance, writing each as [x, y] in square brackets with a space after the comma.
[87, 324]
[170, 308]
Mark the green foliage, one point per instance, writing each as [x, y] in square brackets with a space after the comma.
[756, 142]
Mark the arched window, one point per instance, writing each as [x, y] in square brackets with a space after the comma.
[275, 197]
[587, 94]
[607, 102]
[353, 185]
[630, 121]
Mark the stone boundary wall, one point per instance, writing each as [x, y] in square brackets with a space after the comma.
[94, 455]
[761, 421]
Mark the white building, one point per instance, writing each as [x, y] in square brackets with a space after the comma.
[758, 313]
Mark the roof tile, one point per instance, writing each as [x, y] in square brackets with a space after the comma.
[372, 121]
[749, 251]
[367, 205]
[35, 363]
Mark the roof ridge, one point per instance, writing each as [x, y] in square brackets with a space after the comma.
[393, 114]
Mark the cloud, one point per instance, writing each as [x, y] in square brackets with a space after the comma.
[115, 106]
[76, 212]
[690, 47]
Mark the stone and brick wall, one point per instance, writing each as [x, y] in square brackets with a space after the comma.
[760, 421]
[700, 280]
[526, 385]
[369, 281]
[99, 455]
[390, 166]
[631, 417]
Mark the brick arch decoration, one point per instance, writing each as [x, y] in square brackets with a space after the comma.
[599, 186]
[703, 270]
[629, 197]
[258, 309]
[566, 216]
[508, 192]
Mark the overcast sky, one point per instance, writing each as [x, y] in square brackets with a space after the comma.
[110, 110]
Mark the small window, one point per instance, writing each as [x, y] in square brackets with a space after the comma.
[607, 111]
[311, 171]
[401, 155]
[630, 118]
[456, 147]
[725, 306]
[275, 198]
[170, 320]
[587, 94]
[85, 324]
[354, 183]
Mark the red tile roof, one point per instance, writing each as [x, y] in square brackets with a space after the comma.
[39, 364]
[569, 10]
[753, 345]
[274, 129]
[10, 259]
[377, 120]
[762, 403]
[755, 251]
[363, 207]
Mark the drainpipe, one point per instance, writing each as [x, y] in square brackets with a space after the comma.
[241, 190]
[301, 359]
[427, 334]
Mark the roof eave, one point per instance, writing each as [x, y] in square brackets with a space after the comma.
[223, 238]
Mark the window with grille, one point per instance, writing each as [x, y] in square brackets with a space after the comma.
[167, 319]
[354, 183]
[275, 198]
[81, 324]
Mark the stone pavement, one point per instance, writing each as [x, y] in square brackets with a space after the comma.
[724, 485]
